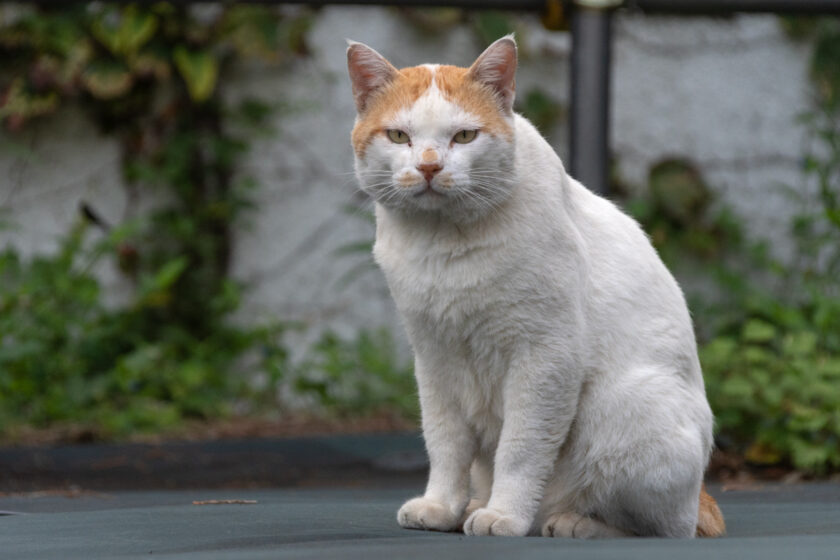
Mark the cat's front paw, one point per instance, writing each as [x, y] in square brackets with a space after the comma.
[487, 521]
[422, 513]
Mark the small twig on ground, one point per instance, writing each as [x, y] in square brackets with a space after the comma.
[222, 502]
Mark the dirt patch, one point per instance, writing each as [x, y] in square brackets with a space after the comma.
[230, 428]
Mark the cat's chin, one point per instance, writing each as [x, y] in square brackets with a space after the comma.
[433, 202]
[428, 190]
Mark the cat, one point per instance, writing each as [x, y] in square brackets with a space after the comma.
[556, 364]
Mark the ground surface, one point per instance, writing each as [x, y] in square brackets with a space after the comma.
[72, 502]
[798, 521]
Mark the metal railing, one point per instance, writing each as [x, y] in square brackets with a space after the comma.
[590, 24]
[590, 79]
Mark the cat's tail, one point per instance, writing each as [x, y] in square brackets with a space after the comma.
[709, 519]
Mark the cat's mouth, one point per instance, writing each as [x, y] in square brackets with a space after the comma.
[428, 190]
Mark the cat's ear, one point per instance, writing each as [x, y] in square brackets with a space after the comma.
[369, 71]
[496, 67]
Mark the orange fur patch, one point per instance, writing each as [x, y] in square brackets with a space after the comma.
[402, 92]
[410, 84]
[474, 97]
[709, 519]
[429, 156]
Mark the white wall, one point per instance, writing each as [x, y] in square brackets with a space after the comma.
[722, 92]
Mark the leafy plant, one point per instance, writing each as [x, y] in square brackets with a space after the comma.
[774, 383]
[541, 109]
[774, 379]
[149, 75]
[359, 376]
[770, 332]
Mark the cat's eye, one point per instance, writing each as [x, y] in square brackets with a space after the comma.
[398, 137]
[465, 136]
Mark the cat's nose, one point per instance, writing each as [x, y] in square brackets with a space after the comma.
[429, 170]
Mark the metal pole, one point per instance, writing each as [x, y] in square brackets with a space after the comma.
[590, 95]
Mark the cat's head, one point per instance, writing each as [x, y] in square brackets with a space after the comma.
[435, 138]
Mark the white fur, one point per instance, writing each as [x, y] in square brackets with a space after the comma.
[555, 356]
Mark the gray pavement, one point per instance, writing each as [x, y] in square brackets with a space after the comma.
[766, 522]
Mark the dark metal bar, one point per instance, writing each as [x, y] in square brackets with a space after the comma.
[715, 7]
[676, 7]
[519, 5]
[590, 97]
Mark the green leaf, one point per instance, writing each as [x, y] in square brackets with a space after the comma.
[807, 419]
[107, 80]
[124, 31]
[738, 387]
[490, 25]
[809, 455]
[17, 102]
[757, 355]
[758, 331]
[541, 109]
[169, 273]
[200, 71]
[800, 344]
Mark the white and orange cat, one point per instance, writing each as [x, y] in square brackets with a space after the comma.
[555, 358]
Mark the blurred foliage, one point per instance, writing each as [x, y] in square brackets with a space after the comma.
[489, 26]
[770, 331]
[149, 75]
[774, 383]
[360, 249]
[824, 35]
[359, 376]
[486, 26]
[543, 110]
[67, 358]
[774, 377]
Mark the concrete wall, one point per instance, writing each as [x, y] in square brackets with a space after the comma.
[722, 92]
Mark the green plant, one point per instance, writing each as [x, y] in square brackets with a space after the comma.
[149, 76]
[774, 383]
[769, 331]
[770, 344]
[541, 109]
[359, 376]
[66, 358]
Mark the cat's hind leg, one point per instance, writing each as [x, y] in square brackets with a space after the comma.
[633, 462]
[642, 451]
[574, 525]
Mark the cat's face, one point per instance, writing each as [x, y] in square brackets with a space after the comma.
[435, 138]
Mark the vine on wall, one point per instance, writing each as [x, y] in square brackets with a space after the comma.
[149, 75]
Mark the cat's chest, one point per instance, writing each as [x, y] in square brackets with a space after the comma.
[464, 312]
[451, 287]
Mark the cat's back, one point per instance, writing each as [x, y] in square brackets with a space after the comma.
[627, 294]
